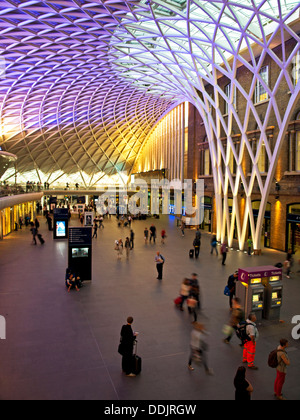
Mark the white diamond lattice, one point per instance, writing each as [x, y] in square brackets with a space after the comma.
[184, 47]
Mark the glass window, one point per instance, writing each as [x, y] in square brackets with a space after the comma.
[260, 92]
[262, 159]
[206, 162]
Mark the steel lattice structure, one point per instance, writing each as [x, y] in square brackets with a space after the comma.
[188, 46]
[63, 111]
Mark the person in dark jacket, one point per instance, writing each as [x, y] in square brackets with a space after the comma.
[232, 286]
[197, 245]
[128, 338]
[243, 388]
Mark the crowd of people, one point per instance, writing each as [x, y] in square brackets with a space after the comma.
[7, 189]
[244, 327]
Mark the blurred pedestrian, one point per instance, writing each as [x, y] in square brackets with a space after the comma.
[182, 227]
[119, 248]
[152, 233]
[192, 306]
[127, 246]
[131, 239]
[224, 250]
[146, 235]
[214, 245]
[95, 235]
[231, 283]
[34, 232]
[237, 316]
[163, 236]
[199, 348]
[197, 245]
[184, 292]
[195, 289]
[249, 245]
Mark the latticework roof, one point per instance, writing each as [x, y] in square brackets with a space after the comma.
[62, 108]
[83, 82]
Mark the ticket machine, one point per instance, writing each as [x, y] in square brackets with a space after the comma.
[273, 297]
[250, 291]
[260, 291]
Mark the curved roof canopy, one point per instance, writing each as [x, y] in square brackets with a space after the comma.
[83, 82]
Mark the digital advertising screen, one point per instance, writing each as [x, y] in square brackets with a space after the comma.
[80, 252]
[61, 230]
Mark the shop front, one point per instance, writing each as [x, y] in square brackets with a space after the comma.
[11, 215]
[266, 229]
[293, 227]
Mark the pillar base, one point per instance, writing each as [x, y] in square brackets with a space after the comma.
[257, 251]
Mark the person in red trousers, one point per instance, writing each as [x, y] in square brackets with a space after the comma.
[283, 363]
[250, 345]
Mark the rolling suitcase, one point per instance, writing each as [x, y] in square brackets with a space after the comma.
[191, 253]
[136, 363]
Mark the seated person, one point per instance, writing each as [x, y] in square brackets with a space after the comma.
[72, 282]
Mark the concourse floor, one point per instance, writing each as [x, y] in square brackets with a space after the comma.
[64, 346]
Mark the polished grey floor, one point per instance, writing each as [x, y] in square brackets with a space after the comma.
[64, 346]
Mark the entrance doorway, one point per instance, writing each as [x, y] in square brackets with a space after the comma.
[266, 228]
[293, 228]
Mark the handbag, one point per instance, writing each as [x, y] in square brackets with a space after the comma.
[120, 348]
[227, 330]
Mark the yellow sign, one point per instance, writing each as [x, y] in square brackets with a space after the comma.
[256, 281]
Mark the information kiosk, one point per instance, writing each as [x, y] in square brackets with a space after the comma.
[80, 252]
[260, 291]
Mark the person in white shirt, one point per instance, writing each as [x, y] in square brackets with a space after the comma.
[250, 345]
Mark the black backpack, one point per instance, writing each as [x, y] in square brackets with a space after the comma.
[242, 333]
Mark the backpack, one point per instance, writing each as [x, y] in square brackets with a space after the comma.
[242, 333]
[227, 291]
[273, 359]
